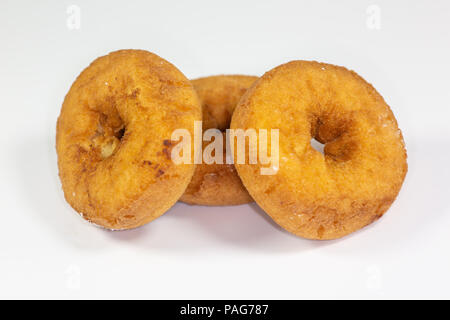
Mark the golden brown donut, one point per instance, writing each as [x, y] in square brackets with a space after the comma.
[113, 138]
[218, 184]
[315, 195]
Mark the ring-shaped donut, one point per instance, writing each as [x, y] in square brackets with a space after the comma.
[359, 174]
[113, 138]
[218, 184]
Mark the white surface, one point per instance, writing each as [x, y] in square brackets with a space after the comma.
[48, 251]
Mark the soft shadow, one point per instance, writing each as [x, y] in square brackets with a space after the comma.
[188, 230]
[244, 227]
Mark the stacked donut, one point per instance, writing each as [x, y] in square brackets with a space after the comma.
[114, 144]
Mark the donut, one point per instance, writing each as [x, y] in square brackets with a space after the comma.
[113, 138]
[363, 165]
[218, 184]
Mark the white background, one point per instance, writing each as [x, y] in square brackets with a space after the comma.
[48, 251]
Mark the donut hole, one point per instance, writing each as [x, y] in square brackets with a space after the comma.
[331, 135]
[112, 142]
[316, 145]
[120, 133]
[108, 135]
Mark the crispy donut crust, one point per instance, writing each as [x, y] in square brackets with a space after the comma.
[315, 195]
[113, 138]
[218, 184]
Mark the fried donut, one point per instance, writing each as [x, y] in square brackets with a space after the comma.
[218, 184]
[113, 138]
[359, 174]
